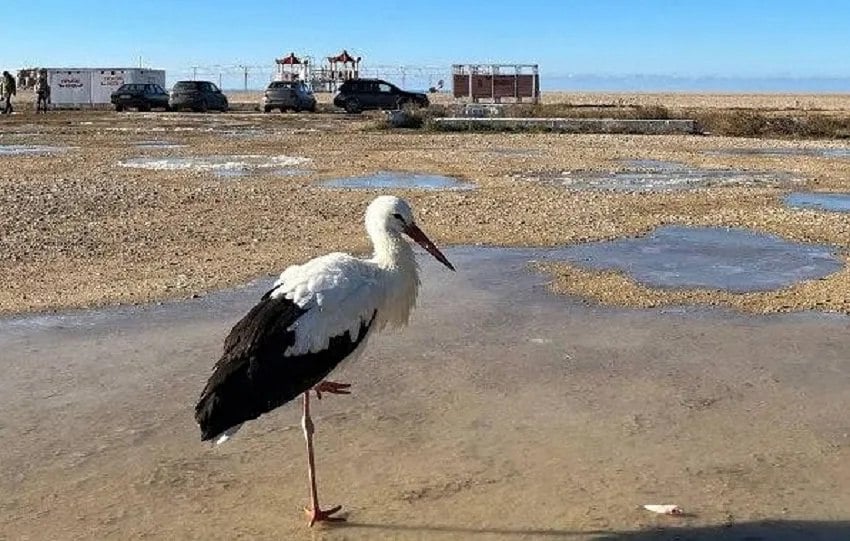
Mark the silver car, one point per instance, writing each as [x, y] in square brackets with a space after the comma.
[283, 95]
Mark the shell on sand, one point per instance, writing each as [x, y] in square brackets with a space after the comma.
[665, 509]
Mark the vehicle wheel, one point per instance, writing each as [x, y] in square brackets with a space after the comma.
[297, 109]
[352, 106]
[283, 109]
[144, 108]
[119, 108]
[203, 107]
[312, 108]
[267, 109]
[167, 109]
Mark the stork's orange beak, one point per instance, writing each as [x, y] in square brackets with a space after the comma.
[422, 240]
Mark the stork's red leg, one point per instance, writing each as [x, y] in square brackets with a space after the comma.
[314, 513]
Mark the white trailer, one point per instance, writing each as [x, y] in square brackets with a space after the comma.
[89, 87]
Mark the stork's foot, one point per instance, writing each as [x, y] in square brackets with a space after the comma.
[331, 387]
[317, 515]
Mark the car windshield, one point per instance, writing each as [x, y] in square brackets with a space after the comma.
[280, 84]
[188, 85]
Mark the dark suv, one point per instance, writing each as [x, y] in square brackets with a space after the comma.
[141, 96]
[200, 96]
[361, 94]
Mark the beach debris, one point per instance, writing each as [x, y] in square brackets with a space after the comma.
[665, 509]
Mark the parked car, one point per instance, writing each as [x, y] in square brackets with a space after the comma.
[141, 96]
[361, 94]
[283, 95]
[199, 96]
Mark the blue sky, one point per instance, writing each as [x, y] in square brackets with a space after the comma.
[743, 38]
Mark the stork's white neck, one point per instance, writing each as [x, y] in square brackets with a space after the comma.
[392, 252]
[395, 257]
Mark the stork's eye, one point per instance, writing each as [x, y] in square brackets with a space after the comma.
[398, 217]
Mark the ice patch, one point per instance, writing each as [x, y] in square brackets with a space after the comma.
[224, 166]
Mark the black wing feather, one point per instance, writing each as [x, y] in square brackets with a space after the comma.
[253, 377]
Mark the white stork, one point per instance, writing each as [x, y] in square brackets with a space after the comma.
[315, 315]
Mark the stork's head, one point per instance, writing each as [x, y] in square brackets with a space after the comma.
[392, 215]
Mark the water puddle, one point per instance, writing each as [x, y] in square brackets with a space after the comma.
[224, 166]
[835, 202]
[247, 133]
[822, 152]
[398, 180]
[157, 145]
[656, 175]
[736, 260]
[30, 150]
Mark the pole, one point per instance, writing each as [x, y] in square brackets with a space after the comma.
[194, 73]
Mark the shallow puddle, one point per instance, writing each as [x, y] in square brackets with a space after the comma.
[398, 180]
[247, 133]
[656, 175]
[157, 145]
[494, 387]
[836, 202]
[224, 166]
[30, 150]
[782, 151]
[736, 260]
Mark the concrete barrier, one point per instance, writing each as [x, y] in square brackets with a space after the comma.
[571, 125]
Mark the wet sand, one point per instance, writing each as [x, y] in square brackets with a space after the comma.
[503, 412]
[78, 229]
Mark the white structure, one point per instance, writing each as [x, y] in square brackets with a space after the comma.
[86, 87]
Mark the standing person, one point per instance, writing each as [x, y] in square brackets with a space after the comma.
[42, 92]
[9, 90]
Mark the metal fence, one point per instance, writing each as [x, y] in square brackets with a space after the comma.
[256, 77]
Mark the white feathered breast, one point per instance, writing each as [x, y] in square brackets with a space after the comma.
[339, 292]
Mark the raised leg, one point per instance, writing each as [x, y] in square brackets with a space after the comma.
[314, 512]
[331, 387]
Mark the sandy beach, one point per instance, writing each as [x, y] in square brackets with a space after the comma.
[531, 398]
[81, 230]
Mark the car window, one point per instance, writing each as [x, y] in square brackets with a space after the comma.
[213, 88]
[384, 87]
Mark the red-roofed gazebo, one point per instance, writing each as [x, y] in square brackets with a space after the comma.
[343, 67]
[292, 68]
[290, 60]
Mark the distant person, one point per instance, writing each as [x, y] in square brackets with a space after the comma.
[9, 90]
[42, 92]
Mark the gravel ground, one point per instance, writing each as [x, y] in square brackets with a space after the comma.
[79, 230]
